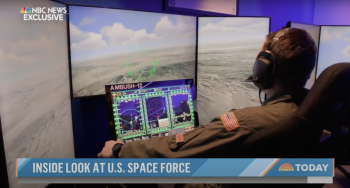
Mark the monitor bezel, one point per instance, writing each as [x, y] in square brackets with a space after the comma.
[59, 2]
[114, 8]
[196, 12]
[109, 104]
[318, 50]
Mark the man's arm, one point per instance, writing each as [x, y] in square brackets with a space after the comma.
[217, 139]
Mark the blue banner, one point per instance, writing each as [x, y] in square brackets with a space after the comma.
[174, 167]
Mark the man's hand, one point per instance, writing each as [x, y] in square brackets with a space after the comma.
[107, 151]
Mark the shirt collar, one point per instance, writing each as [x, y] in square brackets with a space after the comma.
[296, 96]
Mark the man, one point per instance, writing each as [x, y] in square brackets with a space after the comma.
[294, 55]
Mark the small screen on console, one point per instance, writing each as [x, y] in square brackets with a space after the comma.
[139, 111]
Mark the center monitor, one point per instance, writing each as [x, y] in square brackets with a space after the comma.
[140, 111]
[227, 50]
[113, 46]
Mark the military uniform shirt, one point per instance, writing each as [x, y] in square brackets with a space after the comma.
[222, 137]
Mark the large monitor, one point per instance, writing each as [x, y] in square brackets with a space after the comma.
[314, 31]
[35, 104]
[111, 46]
[139, 111]
[334, 46]
[227, 49]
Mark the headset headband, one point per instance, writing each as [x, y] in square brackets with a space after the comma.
[277, 36]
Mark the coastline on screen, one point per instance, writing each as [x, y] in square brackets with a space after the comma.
[140, 111]
[227, 49]
[334, 46]
[110, 46]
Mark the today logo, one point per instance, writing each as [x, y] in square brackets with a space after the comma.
[304, 167]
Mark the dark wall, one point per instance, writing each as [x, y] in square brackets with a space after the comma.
[335, 12]
[149, 5]
[281, 11]
[90, 126]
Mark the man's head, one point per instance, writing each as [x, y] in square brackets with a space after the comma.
[295, 55]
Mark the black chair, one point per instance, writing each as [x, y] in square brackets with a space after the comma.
[326, 106]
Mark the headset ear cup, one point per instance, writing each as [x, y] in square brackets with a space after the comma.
[265, 64]
[264, 70]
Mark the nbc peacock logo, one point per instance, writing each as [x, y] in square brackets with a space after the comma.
[25, 10]
[286, 167]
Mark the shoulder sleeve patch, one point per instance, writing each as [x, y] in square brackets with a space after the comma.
[180, 138]
[230, 121]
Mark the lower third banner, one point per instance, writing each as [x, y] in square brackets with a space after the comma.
[37, 170]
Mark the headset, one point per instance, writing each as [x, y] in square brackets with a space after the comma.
[265, 65]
